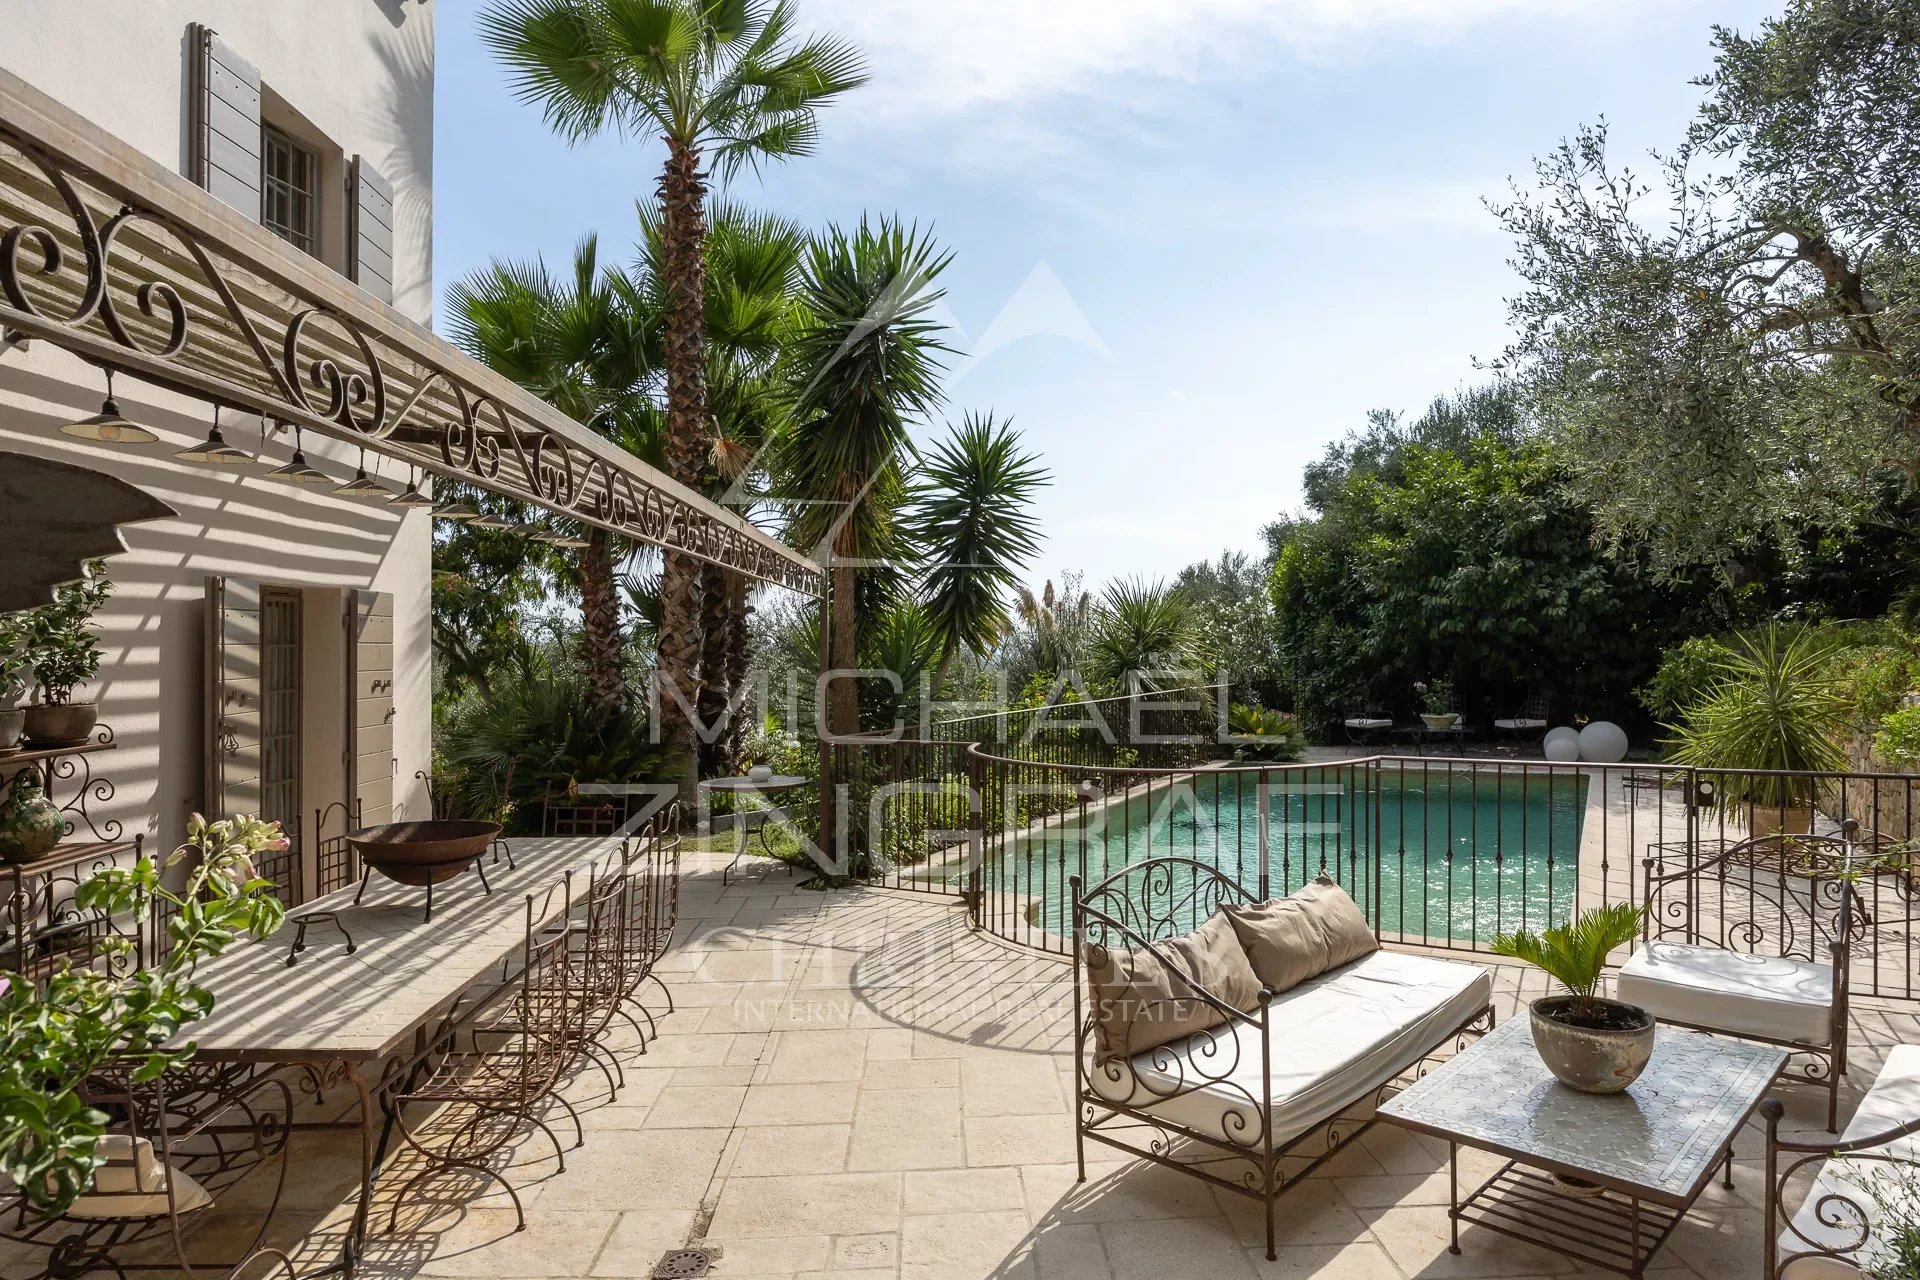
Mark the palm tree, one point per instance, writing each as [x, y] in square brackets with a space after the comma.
[974, 520]
[752, 284]
[579, 344]
[1140, 629]
[864, 367]
[720, 82]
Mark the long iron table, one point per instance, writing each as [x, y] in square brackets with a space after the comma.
[340, 1016]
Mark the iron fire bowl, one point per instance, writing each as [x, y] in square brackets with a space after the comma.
[423, 853]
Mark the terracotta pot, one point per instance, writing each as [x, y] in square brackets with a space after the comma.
[1587, 1058]
[60, 724]
[1773, 820]
[420, 853]
[13, 721]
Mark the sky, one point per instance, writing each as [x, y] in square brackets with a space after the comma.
[1193, 244]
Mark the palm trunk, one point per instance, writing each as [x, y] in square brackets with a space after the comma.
[714, 688]
[739, 663]
[600, 622]
[682, 198]
[843, 695]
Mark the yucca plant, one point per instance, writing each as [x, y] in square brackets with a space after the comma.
[1575, 954]
[1142, 631]
[1773, 706]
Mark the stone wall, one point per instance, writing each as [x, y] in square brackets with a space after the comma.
[1886, 805]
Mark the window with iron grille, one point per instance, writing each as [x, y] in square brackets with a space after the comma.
[289, 190]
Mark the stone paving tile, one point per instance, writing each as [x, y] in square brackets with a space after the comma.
[852, 1085]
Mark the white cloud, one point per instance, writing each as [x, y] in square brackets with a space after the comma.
[953, 58]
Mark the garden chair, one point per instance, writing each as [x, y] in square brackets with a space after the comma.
[1749, 943]
[1527, 722]
[503, 1059]
[1843, 1225]
[1366, 726]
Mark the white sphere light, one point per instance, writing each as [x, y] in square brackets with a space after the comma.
[1603, 742]
[1561, 745]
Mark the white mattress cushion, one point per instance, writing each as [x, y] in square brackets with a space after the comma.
[1335, 1038]
[1520, 723]
[1766, 996]
[1364, 722]
[1894, 1100]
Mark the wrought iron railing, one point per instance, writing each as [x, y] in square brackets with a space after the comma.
[1439, 853]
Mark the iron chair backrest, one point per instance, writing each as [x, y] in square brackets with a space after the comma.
[1777, 895]
[1138, 908]
[1851, 1221]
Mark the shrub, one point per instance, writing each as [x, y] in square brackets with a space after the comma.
[1263, 735]
[536, 740]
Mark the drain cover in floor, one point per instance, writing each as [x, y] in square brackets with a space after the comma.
[682, 1264]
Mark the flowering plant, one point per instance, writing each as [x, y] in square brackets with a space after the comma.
[89, 1016]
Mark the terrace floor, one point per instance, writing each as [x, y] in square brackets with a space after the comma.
[855, 1085]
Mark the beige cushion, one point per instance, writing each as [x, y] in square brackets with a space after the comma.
[1289, 940]
[1138, 1004]
[133, 1184]
[1770, 997]
[1335, 1038]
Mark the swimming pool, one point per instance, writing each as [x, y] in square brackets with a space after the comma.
[1449, 857]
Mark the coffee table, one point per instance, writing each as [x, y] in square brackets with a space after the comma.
[1645, 1155]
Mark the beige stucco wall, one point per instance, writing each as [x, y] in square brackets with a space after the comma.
[361, 73]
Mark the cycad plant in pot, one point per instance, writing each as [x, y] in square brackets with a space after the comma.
[1589, 1042]
[1773, 714]
[65, 654]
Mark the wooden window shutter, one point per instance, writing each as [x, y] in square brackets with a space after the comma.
[370, 705]
[223, 137]
[233, 742]
[370, 231]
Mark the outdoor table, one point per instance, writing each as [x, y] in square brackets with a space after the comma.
[340, 1016]
[1644, 1155]
[1419, 735]
[742, 826]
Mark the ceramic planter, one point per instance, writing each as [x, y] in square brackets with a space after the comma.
[1587, 1058]
[13, 722]
[1775, 820]
[35, 829]
[1440, 720]
[61, 724]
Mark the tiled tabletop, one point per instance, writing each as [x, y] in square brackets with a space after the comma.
[405, 971]
[1660, 1139]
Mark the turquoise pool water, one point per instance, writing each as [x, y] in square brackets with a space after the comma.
[1450, 858]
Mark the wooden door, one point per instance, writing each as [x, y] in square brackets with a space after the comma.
[370, 705]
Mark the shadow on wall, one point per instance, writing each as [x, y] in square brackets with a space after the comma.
[407, 133]
[231, 522]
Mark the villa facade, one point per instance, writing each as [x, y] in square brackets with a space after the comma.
[267, 648]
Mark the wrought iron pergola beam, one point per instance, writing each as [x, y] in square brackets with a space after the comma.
[108, 255]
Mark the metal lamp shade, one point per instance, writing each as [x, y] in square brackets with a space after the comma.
[109, 426]
[362, 486]
[214, 451]
[298, 472]
[456, 511]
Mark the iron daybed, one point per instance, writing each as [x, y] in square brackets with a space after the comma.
[1282, 1079]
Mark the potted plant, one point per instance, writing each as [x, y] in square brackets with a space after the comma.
[1773, 711]
[30, 824]
[1589, 1042]
[14, 669]
[65, 655]
[90, 1017]
[1436, 704]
